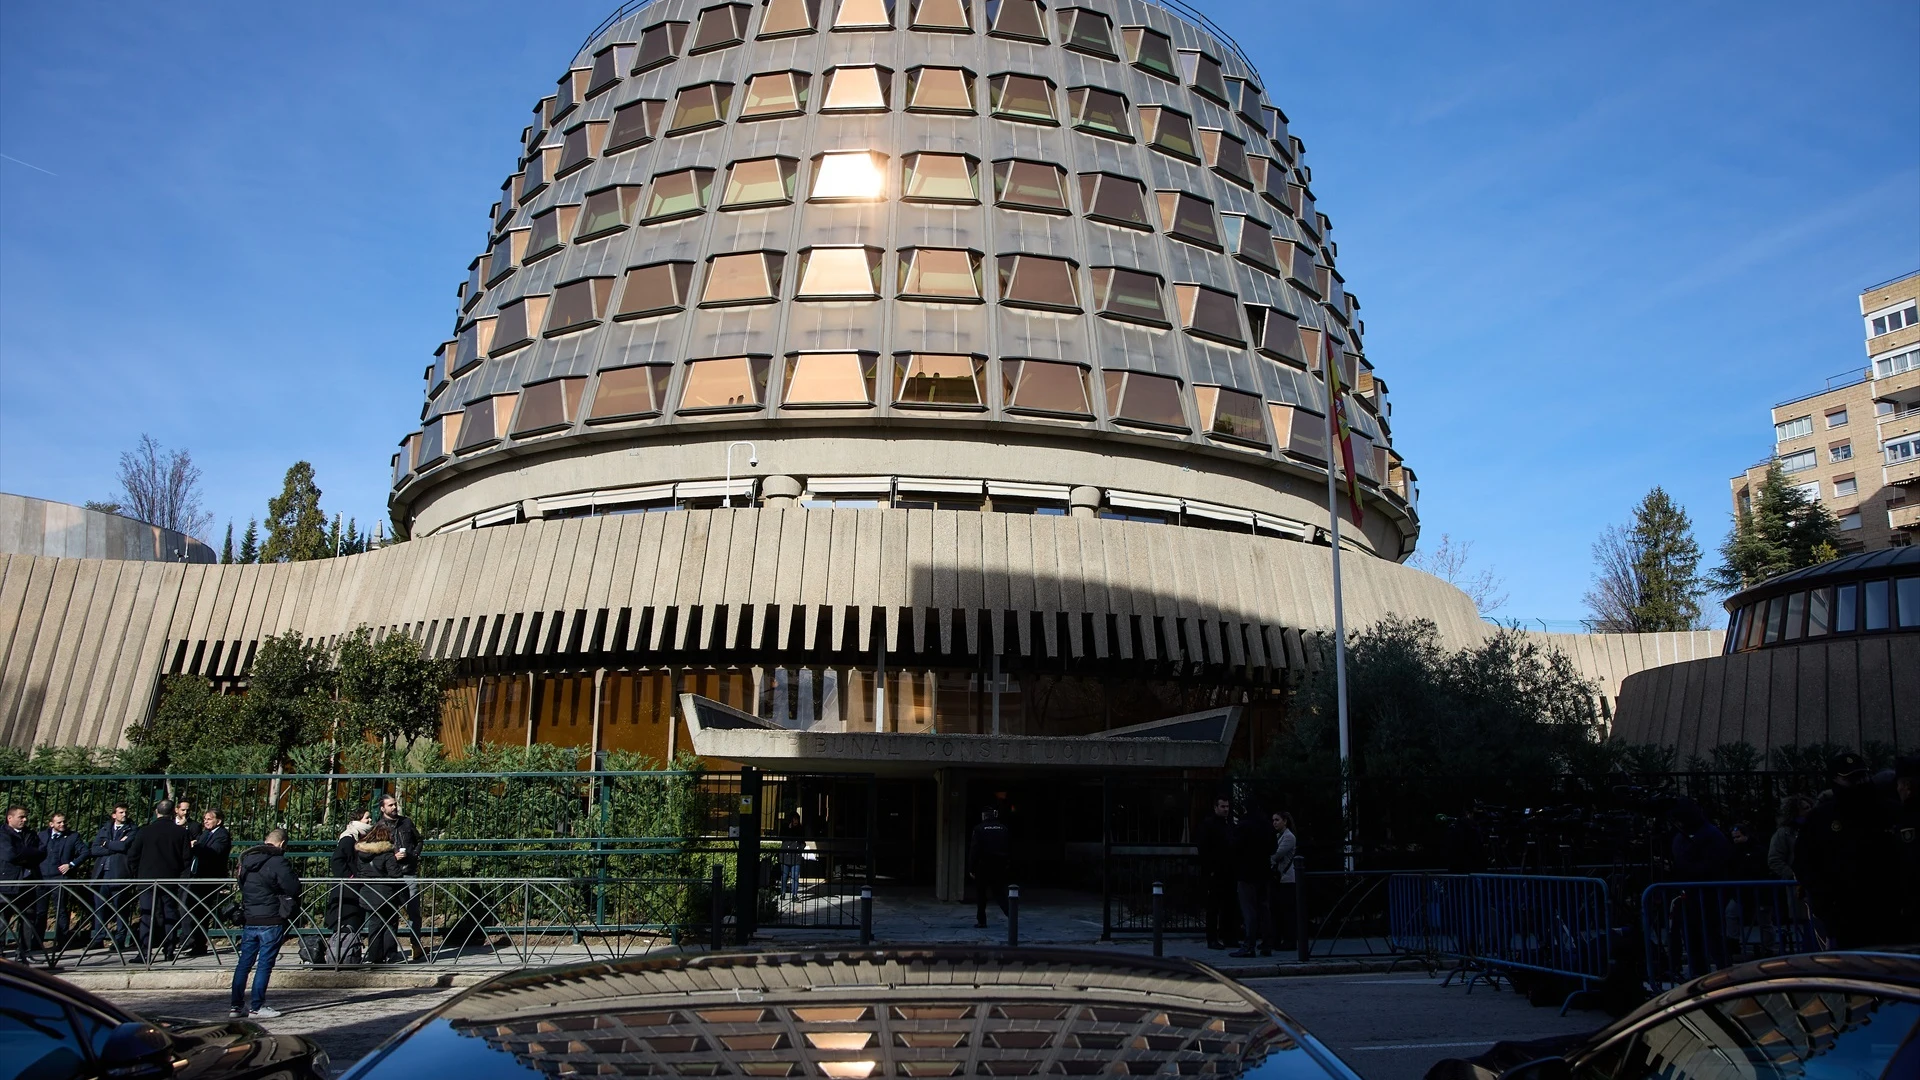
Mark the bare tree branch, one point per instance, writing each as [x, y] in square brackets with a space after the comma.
[162, 488]
[1448, 560]
[1616, 582]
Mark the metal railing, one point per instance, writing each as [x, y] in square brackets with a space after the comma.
[1490, 923]
[1693, 927]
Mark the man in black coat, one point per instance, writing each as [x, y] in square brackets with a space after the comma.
[406, 853]
[1844, 860]
[1215, 840]
[109, 855]
[62, 852]
[160, 851]
[19, 863]
[990, 854]
[210, 851]
[269, 900]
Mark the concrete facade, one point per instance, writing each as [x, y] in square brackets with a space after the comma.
[30, 526]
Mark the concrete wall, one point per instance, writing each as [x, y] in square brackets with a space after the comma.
[1608, 659]
[1850, 690]
[30, 526]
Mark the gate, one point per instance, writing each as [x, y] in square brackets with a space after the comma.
[797, 848]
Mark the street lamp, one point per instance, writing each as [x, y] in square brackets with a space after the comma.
[753, 459]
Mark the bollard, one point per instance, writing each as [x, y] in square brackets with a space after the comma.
[1300, 921]
[866, 914]
[716, 897]
[1159, 919]
[1013, 915]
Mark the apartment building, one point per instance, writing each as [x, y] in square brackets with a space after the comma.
[1855, 445]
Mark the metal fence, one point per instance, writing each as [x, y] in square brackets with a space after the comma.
[1693, 927]
[1488, 923]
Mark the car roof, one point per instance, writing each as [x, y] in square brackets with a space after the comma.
[43, 981]
[1896, 967]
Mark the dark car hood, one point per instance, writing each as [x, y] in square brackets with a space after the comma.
[857, 1014]
[228, 1047]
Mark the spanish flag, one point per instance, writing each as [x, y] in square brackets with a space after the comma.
[1337, 401]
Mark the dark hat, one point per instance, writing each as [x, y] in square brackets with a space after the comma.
[1846, 764]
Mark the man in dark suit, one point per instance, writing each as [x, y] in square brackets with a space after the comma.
[19, 863]
[161, 851]
[210, 856]
[61, 854]
[109, 854]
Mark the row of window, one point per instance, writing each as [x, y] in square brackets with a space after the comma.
[1897, 319]
[1861, 607]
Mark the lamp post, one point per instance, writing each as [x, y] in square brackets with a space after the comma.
[753, 459]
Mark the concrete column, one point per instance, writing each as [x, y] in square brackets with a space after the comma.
[1084, 502]
[779, 492]
[950, 835]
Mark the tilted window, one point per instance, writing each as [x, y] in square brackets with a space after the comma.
[608, 64]
[1149, 50]
[1115, 200]
[748, 277]
[438, 436]
[700, 107]
[659, 44]
[485, 422]
[854, 175]
[504, 257]
[580, 146]
[1135, 397]
[829, 378]
[728, 382]
[548, 406]
[940, 381]
[1209, 313]
[1087, 31]
[472, 344]
[571, 91]
[635, 123]
[517, 323]
[550, 231]
[533, 175]
[1276, 333]
[1226, 155]
[719, 27]
[1168, 131]
[1028, 98]
[1203, 74]
[940, 89]
[476, 283]
[579, 304]
[1188, 218]
[1099, 112]
[1022, 20]
[947, 274]
[1270, 180]
[1244, 98]
[839, 273]
[1030, 185]
[786, 17]
[630, 393]
[1230, 414]
[1038, 281]
[1132, 295]
[1300, 432]
[941, 15]
[608, 210]
[945, 178]
[1045, 386]
[774, 94]
[868, 88]
[1250, 241]
[863, 15]
[1296, 262]
[655, 289]
[678, 194]
[760, 182]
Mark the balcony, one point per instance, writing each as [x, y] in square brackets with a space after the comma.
[1904, 516]
[1907, 472]
[1894, 384]
[1900, 338]
[1894, 425]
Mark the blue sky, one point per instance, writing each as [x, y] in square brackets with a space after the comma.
[1594, 243]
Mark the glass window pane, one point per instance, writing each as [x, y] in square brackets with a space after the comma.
[1846, 609]
[1796, 615]
[1019, 19]
[679, 194]
[939, 178]
[700, 107]
[939, 274]
[759, 182]
[659, 44]
[746, 278]
[1818, 603]
[658, 289]
[608, 210]
[1136, 397]
[500, 260]
[855, 174]
[1030, 185]
[1128, 294]
[1101, 112]
[829, 379]
[548, 406]
[1776, 618]
[1168, 131]
[1149, 50]
[486, 421]
[1189, 218]
[607, 66]
[1115, 200]
[629, 392]
[719, 27]
[1251, 241]
[940, 380]
[1038, 281]
[1227, 156]
[1907, 600]
[785, 17]
[511, 328]
[941, 15]
[579, 146]
[578, 304]
[1203, 74]
[857, 89]
[1023, 97]
[839, 273]
[1087, 31]
[863, 15]
[940, 89]
[732, 382]
[1209, 313]
[1230, 414]
[775, 93]
[1874, 603]
[1045, 386]
[635, 123]
[545, 239]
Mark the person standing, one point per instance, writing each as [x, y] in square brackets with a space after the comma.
[1253, 843]
[1285, 847]
[211, 850]
[1843, 858]
[269, 897]
[19, 864]
[1793, 814]
[109, 854]
[406, 855]
[1215, 841]
[381, 891]
[1906, 842]
[61, 853]
[988, 852]
[182, 808]
[160, 852]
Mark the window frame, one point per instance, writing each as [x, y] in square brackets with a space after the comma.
[682, 283]
[1079, 98]
[997, 91]
[571, 390]
[875, 259]
[882, 79]
[773, 265]
[659, 379]
[907, 266]
[1094, 191]
[790, 180]
[1103, 280]
[759, 365]
[869, 367]
[672, 31]
[1207, 399]
[916, 78]
[1008, 276]
[1003, 180]
[903, 369]
[703, 190]
[1119, 383]
[799, 85]
[720, 94]
[878, 160]
[628, 205]
[600, 298]
[1010, 385]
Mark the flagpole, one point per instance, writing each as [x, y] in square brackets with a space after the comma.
[1339, 615]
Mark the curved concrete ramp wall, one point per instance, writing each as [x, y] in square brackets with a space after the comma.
[30, 526]
[1608, 659]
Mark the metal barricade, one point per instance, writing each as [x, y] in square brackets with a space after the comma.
[1491, 923]
[1693, 927]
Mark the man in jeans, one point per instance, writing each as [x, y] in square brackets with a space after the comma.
[269, 897]
[406, 853]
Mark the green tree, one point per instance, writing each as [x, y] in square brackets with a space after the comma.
[296, 526]
[191, 717]
[250, 542]
[226, 548]
[389, 690]
[1648, 576]
[1781, 530]
[290, 693]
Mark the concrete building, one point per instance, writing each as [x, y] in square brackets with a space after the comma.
[1855, 446]
[30, 526]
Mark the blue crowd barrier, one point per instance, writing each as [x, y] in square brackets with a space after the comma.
[1694, 927]
[1491, 923]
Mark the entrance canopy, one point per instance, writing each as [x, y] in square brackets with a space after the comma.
[1198, 740]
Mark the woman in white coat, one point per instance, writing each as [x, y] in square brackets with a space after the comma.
[1282, 890]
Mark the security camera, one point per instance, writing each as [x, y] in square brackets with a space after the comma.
[752, 461]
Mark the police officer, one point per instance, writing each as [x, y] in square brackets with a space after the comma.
[989, 851]
[1842, 858]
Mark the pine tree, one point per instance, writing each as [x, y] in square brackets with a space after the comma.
[351, 542]
[1781, 530]
[250, 542]
[296, 526]
[226, 549]
[1649, 572]
[333, 537]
